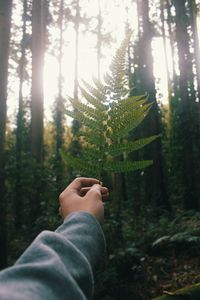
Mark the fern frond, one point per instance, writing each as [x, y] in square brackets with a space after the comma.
[99, 85]
[127, 147]
[108, 114]
[95, 92]
[84, 120]
[91, 153]
[127, 103]
[126, 166]
[79, 165]
[90, 137]
[93, 100]
[125, 123]
[117, 80]
[124, 115]
[120, 58]
[88, 110]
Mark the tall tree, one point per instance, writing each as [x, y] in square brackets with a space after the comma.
[104, 38]
[193, 14]
[78, 19]
[155, 192]
[59, 104]
[38, 50]
[76, 27]
[19, 213]
[39, 22]
[99, 39]
[165, 37]
[5, 24]
[188, 108]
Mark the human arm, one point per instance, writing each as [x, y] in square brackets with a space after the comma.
[58, 265]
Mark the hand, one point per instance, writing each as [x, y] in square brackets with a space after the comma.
[83, 194]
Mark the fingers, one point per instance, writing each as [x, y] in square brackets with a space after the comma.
[104, 191]
[83, 194]
[80, 182]
[95, 192]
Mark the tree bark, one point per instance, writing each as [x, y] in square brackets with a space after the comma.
[5, 24]
[59, 107]
[20, 128]
[39, 13]
[194, 31]
[76, 25]
[155, 187]
[99, 41]
[38, 49]
[187, 107]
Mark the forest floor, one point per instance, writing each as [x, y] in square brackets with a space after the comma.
[171, 272]
[174, 260]
[161, 275]
[161, 256]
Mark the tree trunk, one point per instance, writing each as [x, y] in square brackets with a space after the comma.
[38, 49]
[5, 24]
[99, 42]
[75, 146]
[194, 31]
[19, 213]
[77, 24]
[59, 107]
[39, 13]
[134, 178]
[162, 8]
[187, 107]
[155, 188]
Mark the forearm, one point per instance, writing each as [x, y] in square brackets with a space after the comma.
[58, 265]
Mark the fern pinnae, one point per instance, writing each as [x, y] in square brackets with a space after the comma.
[95, 92]
[88, 111]
[92, 138]
[127, 147]
[108, 115]
[91, 99]
[126, 166]
[99, 85]
[133, 102]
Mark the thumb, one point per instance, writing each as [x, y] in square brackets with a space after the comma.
[95, 192]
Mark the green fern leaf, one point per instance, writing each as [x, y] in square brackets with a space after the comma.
[125, 166]
[93, 100]
[126, 123]
[79, 165]
[107, 115]
[95, 92]
[127, 147]
[92, 138]
[117, 80]
[99, 85]
[91, 154]
[85, 120]
[87, 110]
[124, 105]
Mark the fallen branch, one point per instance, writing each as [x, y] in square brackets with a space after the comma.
[188, 293]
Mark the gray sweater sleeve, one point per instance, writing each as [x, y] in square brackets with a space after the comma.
[57, 265]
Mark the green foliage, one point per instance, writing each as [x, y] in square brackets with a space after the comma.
[107, 114]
